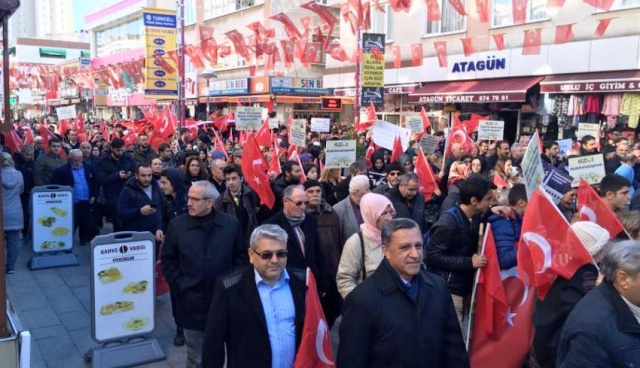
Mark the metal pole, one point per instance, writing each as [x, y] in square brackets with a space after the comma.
[208, 101]
[181, 91]
[356, 106]
[4, 329]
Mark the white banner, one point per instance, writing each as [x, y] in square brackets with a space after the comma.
[340, 154]
[298, 133]
[532, 169]
[384, 133]
[490, 130]
[248, 118]
[320, 125]
[66, 112]
[589, 168]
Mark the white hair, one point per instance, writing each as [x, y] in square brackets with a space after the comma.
[358, 182]
[273, 232]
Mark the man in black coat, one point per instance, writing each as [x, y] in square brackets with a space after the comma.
[402, 316]
[113, 170]
[140, 203]
[603, 330]
[407, 199]
[303, 243]
[25, 164]
[199, 247]
[82, 178]
[238, 200]
[243, 299]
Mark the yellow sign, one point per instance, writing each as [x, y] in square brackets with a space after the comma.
[160, 36]
[372, 71]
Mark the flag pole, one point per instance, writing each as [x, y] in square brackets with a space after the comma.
[475, 285]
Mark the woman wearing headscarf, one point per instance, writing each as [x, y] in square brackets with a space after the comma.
[377, 172]
[362, 252]
[12, 187]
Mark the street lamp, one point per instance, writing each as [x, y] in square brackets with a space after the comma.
[208, 74]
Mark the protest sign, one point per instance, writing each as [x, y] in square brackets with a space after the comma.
[532, 170]
[589, 168]
[66, 112]
[414, 124]
[429, 143]
[587, 129]
[556, 182]
[340, 154]
[321, 125]
[565, 145]
[248, 118]
[384, 133]
[490, 130]
[298, 133]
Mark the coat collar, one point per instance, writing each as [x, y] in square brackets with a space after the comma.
[217, 220]
[389, 282]
[624, 317]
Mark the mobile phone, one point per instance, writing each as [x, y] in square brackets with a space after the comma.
[153, 205]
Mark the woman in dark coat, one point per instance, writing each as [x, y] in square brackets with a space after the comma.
[194, 170]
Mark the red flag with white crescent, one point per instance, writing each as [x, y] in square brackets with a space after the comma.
[532, 42]
[255, 170]
[441, 52]
[416, 54]
[592, 207]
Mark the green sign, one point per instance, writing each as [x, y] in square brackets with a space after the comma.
[13, 100]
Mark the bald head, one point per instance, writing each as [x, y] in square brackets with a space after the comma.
[457, 150]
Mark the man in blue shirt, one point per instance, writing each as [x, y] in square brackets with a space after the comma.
[81, 177]
[258, 312]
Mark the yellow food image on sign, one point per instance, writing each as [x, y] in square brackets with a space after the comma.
[52, 245]
[136, 287]
[117, 307]
[59, 211]
[135, 324]
[47, 221]
[60, 231]
[109, 275]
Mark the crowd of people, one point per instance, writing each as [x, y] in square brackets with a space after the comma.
[395, 265]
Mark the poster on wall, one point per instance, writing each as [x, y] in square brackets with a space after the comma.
[123, 286]
[340, 154]
[66, 112]
[490, 130]
[590, 168]
[52, 218]
[248, 118]
[298, 133]
[532, 169]
[320, 125]
[160, 38]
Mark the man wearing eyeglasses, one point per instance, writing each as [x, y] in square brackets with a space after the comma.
[303, 242]
[394, 171]
[81, 177]
[198, 247]
[257, 312]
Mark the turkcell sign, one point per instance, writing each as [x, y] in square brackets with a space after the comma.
[491, 63]
[159, 20]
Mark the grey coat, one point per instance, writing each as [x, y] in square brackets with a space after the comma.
[348, 222]
[12, 187]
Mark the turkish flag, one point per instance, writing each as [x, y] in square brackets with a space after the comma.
[130, 138]
[255, 169]
[377, 54]
[427, 181]
[46, 137]
[335, 50]
[433, 11]
[600, 4]
[292, 152]
[441, 51]
[426, 123]
[564, 34]
[459, 135]
[396, 51]
[372, 117]
[166, 124]
[303, 176]
[499, 181]
[498, 38]
[472, 124]
[274, 164]
[208, 44]
[592, 208]
[324, 14]
[400, 5]
[315, 345]
[28, 136]
[195, 56]
[519, 11]
[13, 142]
[532, 41]
[311, 52]
[502, 326]
[370, 150]
[397, 149]
[263, 135]
[289, 27]
[555, 250]
[416, 54]
[239, 43]
[103, 131]
[288, 47]
[79, 123]
[603, 24]
[63, 126]
[379, 7]
[173, 55]
[458, 6]
[219, 145]
[160, 61]
[467, 46]
[483, 10]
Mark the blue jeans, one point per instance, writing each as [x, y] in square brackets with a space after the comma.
[12, 242]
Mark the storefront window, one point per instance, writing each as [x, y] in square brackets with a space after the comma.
[451, 20]
[503, 11]
[382, 22]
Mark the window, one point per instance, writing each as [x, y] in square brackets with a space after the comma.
[450, 20]
[503, 14]
[189, 12]
[382, 22]
[625, 4]
[217, 8]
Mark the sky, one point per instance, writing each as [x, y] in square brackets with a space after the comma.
[80, 9]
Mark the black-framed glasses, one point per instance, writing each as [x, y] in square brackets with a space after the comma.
[297, 204]
[269, 255]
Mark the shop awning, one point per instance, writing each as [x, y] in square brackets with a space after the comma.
[213, 99]
[52, 52]
[250, 99]
[85, 53]
[475, 91]
[616, 81]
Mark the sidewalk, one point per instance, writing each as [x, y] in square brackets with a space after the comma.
[54, 305]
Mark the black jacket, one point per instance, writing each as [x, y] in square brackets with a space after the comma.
[601, 332]
[236, 319]
[452, 242]
[382, 327]
[195, 252]
[26, 169]
[250, 202]
[342, 189]
[144, 157]
[312, 256]
[107, 171]
[401, 206]
[64, 176]
[132, 199]
[552, 312]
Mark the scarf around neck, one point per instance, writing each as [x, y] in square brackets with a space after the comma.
[295, 222]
